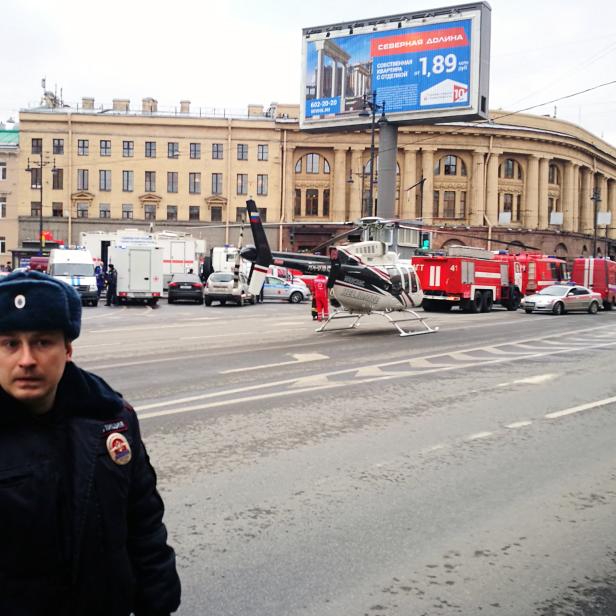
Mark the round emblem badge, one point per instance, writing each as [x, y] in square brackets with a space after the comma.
[20, 301]
[118, 448]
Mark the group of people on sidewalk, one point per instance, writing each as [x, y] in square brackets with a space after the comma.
[107, 280]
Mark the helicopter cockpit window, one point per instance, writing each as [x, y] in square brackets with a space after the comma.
[396, 280]
[414, 284]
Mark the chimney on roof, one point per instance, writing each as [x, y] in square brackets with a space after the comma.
[121, 104]
[149, 105]
[184, 106]
[87, 102]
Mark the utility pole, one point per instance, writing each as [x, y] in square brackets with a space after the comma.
[596, 199]
[40, 164]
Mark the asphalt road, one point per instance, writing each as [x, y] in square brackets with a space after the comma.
[349, 473]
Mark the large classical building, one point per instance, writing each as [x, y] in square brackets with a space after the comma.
[518, 179]
[9, 142]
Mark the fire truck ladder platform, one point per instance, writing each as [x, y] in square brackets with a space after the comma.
[347, 314]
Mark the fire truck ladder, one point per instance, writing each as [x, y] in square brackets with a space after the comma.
[348, 314]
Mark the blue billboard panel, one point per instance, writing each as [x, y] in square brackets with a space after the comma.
[435, 68]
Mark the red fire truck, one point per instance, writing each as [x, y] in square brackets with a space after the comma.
[530, 272]
[470, 278]
[598, 275]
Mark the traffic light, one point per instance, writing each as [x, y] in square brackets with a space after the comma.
[424, 240]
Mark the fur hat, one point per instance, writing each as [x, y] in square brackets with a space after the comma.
[32, 301]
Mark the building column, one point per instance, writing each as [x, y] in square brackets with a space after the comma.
[542, 210]
[531, 210]
[492, 188]
[611, 204]
[576, 198]
[355, 208]
[477, 201]
[603, 204]
[567, 203]
[408, 195]
[427, 196]
[340, 178]
[586, 205]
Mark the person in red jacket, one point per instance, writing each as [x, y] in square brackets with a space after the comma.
[321, 297]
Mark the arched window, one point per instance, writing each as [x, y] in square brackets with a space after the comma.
[510, 169]
[311, 164]
[554, 174]
[450, 165]
[560, 250]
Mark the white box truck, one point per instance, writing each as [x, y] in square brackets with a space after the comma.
[140, 273]
[75, 267]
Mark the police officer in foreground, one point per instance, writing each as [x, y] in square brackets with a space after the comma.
[80, 517]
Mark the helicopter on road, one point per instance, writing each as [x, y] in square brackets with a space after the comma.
[363, 278]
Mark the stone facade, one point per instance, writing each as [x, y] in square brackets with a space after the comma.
[518, 178]
[9, 173]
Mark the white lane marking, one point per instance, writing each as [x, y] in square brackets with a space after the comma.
[432, 449]
[581, 407]
[531, 380]
[422, 362]
[299, 358]
[518, 424]
[326, 384]
[461, 356]
[474, 437]
[96, 346]
[369, 371]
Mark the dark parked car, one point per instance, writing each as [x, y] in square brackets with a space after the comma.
[185, 287]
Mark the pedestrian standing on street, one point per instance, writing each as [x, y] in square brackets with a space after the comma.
[80, 515]
[112, 286]
[100, 280]
[321, 297]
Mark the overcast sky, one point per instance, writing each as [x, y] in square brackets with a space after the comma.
[232, 53]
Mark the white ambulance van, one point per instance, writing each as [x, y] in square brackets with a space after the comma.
[140, 273]
[75, 267]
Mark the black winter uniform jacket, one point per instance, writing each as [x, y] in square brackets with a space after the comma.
[79, 534]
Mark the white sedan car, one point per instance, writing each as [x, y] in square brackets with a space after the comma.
[277, 288]
[559, 299]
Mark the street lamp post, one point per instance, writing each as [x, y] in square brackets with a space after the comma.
[373, 107]
[596, 199]
[40, 164]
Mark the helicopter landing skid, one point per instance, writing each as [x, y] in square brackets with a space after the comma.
[345, 314]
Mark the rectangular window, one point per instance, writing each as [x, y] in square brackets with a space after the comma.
[297, 208]
[262, 184]
[2, 245]
[518, 207]
[194, 212]
[462, 205]
[172, 212]
[2, 207]
[149, 211]
[449, 204]
[217, 151]
[435, 204]
[195, 150]
[194, 183]
[104, 210]
[217, 183]
[312, 202]
[240, 214]
[326, 202]
[82, 210]
[82, 179]
[57, 210]
[128, 182]
[104, 180]
[150, 181]
[242, 183]
[105, 147]
[128, 149]
[35, 208]
[127, 210]
[173, 149]
[2, 171]
[37, 146]
[263, 214]
[242, 151]
[150, 149]
[58, 146]
[35, 177]
[312, 163]
[83, 147]
[262, 151]
[57, 179]
[172, 181]
[216, 213]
